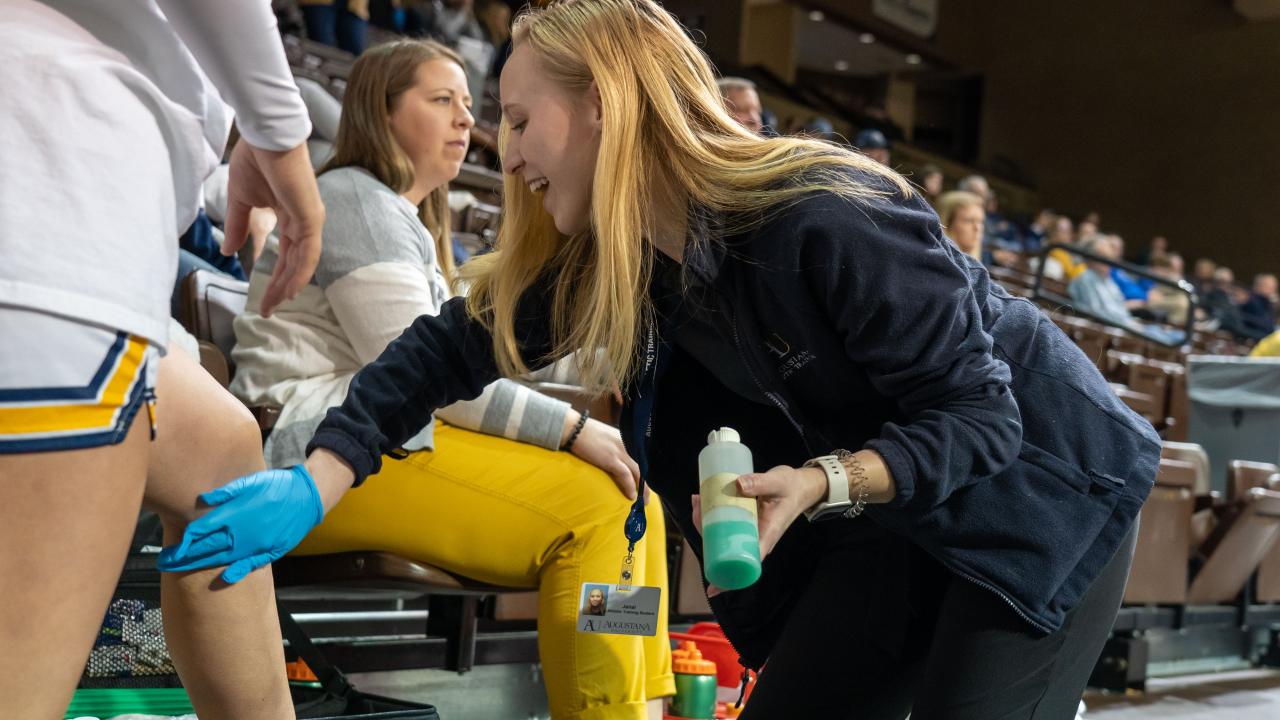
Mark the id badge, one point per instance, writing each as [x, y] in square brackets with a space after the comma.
[618, 610]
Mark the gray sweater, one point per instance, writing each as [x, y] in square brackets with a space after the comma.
[378, 272]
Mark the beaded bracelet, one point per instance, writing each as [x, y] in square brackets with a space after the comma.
[577, 430]
[856, 472]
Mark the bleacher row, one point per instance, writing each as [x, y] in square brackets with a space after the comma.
[1196, 548]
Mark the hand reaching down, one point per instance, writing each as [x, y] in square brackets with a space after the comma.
[255, 520]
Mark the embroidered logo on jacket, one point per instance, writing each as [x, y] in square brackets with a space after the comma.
[790, 361]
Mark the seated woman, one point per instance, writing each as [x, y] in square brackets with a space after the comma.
[1168, 303]
[963, 215]
[483, 491]
[1060, 263]
[963, 218]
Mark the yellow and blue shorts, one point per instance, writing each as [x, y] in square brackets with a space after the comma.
[69, 385]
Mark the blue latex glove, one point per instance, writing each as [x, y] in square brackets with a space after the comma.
[255, 521]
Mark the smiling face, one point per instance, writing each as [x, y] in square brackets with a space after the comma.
[595, 598]
[554, 139]
[431, 122]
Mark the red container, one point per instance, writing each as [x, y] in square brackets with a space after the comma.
[716, 648]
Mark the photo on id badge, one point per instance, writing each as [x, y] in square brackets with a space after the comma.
[609, 610]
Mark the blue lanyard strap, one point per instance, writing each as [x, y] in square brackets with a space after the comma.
[657, 354]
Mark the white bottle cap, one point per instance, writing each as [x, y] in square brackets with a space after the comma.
[724, 434]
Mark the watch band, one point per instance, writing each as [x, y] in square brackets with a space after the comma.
[837, 501]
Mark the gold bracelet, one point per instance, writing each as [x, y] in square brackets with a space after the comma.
[857, 480]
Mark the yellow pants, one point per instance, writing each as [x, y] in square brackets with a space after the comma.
[514, 514]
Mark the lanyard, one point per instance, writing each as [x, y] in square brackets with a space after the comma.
[656, 357]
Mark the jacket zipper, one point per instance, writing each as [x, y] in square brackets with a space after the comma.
[747, 669]
[992, 589]
[772, 396]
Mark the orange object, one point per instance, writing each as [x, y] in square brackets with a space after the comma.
[298, 671]
[716, 648]
[687, 659]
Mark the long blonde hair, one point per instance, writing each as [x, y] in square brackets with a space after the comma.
[379, 76]
[665, 125]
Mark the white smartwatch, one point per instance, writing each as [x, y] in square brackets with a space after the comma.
[837, 502]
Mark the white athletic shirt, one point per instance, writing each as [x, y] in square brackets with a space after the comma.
[112, 113]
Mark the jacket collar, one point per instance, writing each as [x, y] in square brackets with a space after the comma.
[705, 248]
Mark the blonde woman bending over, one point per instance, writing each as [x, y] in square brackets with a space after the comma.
[484, 491]
[939, 539]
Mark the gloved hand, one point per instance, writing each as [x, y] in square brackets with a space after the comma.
[256, 520]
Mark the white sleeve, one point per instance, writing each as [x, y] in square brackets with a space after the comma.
[238, 46]
[375, 303]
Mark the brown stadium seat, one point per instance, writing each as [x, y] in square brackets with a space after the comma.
[1243, 538]
[208, 302]
[1243, 475]
[1159, 571]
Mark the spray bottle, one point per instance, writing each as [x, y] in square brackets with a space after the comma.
[730, 535]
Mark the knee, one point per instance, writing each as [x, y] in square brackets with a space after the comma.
[231, 441]
[243, 437]
[227, 445]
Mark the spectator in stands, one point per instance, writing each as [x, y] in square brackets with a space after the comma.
[743, 102]
[1094, 290]
[839, 317]
[1038, 231]
[1093, 219]
[108, 124]
[456, 19]
[1062, 231]
[962, 215]
[1202, 279]
[1258, 312]
[495, 19]
[979, 186]
[876, 117]
[1135, 289]
[1086, 228]
[1061, 263]
[483, 492]
[1159, 246]
[975, 184]
[1000, 233]
[343, 24]
[1222, 303]
[931, 182]
[873, 144]
[1167, 303]
[818, 128]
